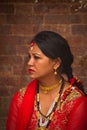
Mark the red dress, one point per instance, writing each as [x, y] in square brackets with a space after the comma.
[70, 114]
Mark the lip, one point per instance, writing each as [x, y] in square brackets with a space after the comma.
[30, 70]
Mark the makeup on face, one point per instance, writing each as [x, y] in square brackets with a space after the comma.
[31, 45]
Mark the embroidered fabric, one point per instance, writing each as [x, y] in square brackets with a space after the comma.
[71, 113]
[61, 116]
[45, 122]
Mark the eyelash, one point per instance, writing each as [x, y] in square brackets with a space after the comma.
[35, 57]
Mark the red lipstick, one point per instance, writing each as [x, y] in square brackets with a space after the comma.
[30, 70]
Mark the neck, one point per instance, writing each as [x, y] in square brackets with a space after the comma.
[50, 86]
[49, 81]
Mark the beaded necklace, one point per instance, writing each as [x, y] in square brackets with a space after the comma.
[49, 116]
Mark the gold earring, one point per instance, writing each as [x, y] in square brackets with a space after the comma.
[55, 72]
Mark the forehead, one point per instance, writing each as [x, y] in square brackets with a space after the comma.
[34, 48]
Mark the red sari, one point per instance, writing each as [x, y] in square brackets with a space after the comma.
[70, 114]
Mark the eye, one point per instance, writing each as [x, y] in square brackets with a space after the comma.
[36, 57]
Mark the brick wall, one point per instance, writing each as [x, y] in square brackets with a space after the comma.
[22, 19]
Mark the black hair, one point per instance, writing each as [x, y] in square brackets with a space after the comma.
[53, 45]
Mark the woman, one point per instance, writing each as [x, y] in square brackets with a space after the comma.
[49, 102]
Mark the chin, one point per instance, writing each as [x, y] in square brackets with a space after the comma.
[32, 77]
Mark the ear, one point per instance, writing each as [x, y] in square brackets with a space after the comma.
[57, 63]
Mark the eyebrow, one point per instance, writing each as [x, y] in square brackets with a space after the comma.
[35, 53]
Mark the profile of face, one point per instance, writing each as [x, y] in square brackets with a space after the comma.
[40, 66]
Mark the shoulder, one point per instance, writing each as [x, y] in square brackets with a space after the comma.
[72, 97]
[23, 90]
[72, 93]
[75, 93]
[29, 88]
[18, 97]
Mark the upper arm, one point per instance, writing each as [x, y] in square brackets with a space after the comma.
[13, 113]
[78, 116]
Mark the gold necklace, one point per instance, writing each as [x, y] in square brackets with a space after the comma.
[46, 89]
[53, 110]
[41, 128]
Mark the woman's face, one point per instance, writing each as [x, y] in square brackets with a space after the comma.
[40, 66]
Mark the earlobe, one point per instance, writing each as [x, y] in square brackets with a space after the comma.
[57, 63]
[55, 72]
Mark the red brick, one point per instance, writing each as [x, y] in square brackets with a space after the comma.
[51, 8]
[18, 19]
[3, 122]
[5, 1]
[76, 61]
[8, 84]
[84, 80]
[62, 19]
[13, 40]
[17, 1]
[22, 50]
[40, 1]
[6, 8]
[40, 8]
[79, 29]
[11, 60]
[61, 29]
[37, 28]
[24, 1]
[22, 29]
[21, 70]
[5, 29]
[3, 19]
[5, 69]
[3, 113]
[75, 18]
[84, 10]
[24, 19]
[79, 51]
[79, 71]
[3, 89]
[83, 62]
[46, 1]
[37, 19]
[84, 39]
[75, 40]
[4, 101]
[55, 1]
[25, 9]
[18, 70]
[84, 18]
[28, 38]
[24, 81]
[7, 49]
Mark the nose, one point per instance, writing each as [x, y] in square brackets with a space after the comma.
[30, 62]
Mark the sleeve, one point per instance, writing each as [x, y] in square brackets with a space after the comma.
[13, 113]
[78, 116]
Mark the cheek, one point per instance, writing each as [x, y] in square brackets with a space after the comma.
[46, 67]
